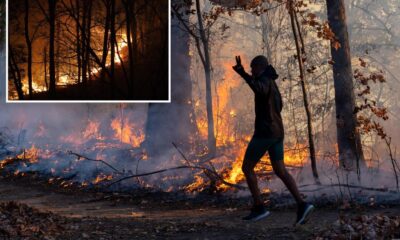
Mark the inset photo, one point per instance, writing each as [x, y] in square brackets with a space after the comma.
[88, 51]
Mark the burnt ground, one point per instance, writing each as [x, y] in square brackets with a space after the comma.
[54, 213]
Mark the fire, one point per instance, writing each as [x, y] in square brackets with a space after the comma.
[65, 78]
[122, 43]
[92, 131]
[225, 113]
[127, 132]
[30, 154]
[35, 87]
[292, 157]
[102, 177]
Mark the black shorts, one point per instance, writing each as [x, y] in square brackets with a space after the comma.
[259, 146]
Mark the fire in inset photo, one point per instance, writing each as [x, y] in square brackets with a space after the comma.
[88, 50]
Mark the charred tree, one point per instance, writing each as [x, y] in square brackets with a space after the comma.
[28, 42]
[348, 138]
[89, 37]
[78, 40]
[131, 25]
[45, 67]
[112, 41]
[84, 42]
[174, 122]
[107, 5]
[58, 50]
[52, 66]
[15, 73]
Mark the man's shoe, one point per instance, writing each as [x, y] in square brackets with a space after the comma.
[257, 213]
[303, 213]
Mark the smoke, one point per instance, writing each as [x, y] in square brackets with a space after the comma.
[55, 129]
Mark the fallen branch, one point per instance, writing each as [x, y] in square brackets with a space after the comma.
[208, 171]
[324, 186]
[80, 157]
[177, 168]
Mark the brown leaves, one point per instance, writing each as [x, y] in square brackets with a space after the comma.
[371, 123]
[322, 28]
[362, 227]
[19, 220]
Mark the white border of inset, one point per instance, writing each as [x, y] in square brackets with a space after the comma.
[96, 101]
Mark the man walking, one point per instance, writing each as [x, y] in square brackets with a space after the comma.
[268, 136]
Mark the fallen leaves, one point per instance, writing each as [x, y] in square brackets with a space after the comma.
[19, 220]
[363, 227]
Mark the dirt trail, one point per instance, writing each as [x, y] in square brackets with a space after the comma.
[99, 218]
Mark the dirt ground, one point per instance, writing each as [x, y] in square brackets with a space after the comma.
[79, 215]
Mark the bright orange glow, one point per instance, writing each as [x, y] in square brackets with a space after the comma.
[92, 131]
[127, 132]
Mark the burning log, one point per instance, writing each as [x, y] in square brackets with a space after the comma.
[209, 171]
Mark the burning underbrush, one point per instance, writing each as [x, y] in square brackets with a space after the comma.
[108, 154]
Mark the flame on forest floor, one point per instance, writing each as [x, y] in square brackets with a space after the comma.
[127, 132]
[92, 130]
[233, 174]
[102, 177]
[30, 154]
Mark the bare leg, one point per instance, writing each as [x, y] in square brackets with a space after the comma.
[287, 179]
[251, 178]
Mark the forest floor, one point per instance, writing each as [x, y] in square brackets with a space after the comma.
[31, 210]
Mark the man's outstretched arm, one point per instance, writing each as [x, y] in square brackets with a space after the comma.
[256, 86]
[240, 70]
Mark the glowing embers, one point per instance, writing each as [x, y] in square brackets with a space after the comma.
[101, 178]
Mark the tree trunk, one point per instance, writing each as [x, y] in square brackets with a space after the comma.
[348, 138]
[52, 19]
[29, 47]
[300, 51]
[89, 36]
[78, 40]
[106, 31]
[207, 70]
[174, 122]
[112, 45]
[84, 43]
[45, 67]
[58, 52]
[16, 73]
[130, 18]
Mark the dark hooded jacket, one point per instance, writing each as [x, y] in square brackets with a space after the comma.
[268, 103]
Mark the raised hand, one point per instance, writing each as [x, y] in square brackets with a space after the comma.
[238, 65]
